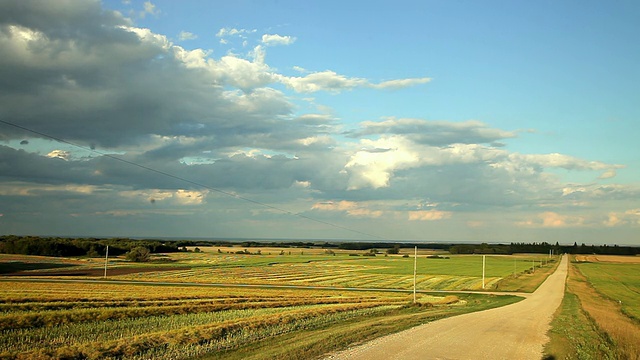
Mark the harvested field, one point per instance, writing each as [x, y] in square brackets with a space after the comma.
[608, 259]
[96, 272]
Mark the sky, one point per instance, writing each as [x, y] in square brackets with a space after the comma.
[447, 121]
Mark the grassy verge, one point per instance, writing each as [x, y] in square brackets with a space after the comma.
[573, 334]
[589, 326]
[313, 343]
[527, 282]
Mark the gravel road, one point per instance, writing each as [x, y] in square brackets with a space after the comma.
[516, 331]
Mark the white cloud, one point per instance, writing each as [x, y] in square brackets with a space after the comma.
[429, 215]
[550, 219]
[435, 132]
[226, 32]
[556, 160]
[322, 81]
[185, 35]
[275, 39]
[149, 8]
[241, 73]
[59, 154]
[401, 83]
[608, 174]
[333, 82]
[629, 217]
[176, 197]
[300, 69]
[374, 169]
[350, 207]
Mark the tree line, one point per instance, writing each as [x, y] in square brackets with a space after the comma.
[543, 248]
[60, 246]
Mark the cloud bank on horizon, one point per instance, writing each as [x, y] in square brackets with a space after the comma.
[241, 125]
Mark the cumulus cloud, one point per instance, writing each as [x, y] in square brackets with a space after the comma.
[88, 75]
[275, 39]
[375, 168]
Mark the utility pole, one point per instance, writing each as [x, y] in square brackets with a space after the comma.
[415, 270]
[483, 263]
[106, 260]
[534, 266]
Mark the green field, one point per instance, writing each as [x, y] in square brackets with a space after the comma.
[618, 282]
[304, 267]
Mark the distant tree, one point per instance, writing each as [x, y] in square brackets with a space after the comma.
[93, 252]
[394, 250]
[138, 254]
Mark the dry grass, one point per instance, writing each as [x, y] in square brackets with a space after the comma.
[608, 258]
[623, 332]
[527, 281]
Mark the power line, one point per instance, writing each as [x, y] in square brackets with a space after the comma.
[195, 183]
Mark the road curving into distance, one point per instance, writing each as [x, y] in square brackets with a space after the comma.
[516, 331]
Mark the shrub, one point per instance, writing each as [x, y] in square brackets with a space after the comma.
[138, 254]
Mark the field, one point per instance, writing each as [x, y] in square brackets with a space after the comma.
[310, 267]
[45, 315]
[599, 318]
[619, 282]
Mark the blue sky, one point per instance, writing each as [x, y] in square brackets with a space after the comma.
[428, 121]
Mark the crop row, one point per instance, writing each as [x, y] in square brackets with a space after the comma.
[14, 307]
[58, 317]
[210, 333]
[17, 293]
[312, 276]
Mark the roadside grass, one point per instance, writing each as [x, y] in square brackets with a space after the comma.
[527, 281]
[591, 326]
[573, 335]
